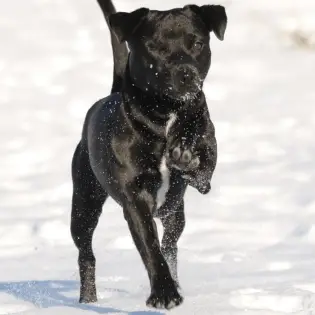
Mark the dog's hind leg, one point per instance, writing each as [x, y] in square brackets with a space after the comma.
[173, 225]
[87, 201]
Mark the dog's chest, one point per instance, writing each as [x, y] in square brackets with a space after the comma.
[164, 170]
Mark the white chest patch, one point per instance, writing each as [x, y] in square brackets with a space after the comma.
[164, 171]
[170, 123]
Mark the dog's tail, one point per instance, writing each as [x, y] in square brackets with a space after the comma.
[120, 51]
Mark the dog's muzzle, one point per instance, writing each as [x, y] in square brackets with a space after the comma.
[186, 81]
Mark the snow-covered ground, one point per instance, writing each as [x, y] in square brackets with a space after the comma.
[249, 246]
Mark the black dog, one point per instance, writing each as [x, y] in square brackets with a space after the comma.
[149, 139]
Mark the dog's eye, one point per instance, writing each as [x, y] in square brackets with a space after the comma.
[198, 45]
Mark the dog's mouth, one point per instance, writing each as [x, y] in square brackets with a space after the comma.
[185, 93]
[189, 96]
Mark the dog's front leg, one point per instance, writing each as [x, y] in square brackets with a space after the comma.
[138, 213]
[196, 161]
[173, 225]
[192, 149]
[201, 176]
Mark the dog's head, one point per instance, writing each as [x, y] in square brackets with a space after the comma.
[169, 50]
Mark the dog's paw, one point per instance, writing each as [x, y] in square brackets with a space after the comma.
[186, 158]
[88, 299]
[201, 185]
[164, 301]
[164, 296]
[183, 157]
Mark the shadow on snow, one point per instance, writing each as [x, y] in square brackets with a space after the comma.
[45, 294]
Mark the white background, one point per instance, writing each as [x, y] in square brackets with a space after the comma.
[249, 246]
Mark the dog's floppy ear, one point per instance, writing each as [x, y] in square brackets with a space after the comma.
[125, 24]
[214, 17]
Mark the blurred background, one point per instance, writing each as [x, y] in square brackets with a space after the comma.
[248, 246]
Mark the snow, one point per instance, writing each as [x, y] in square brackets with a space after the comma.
[248, 247]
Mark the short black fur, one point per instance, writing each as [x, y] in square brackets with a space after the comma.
[148, 140]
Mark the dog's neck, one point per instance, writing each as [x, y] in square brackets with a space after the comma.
[154, 105]
[151, 114]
